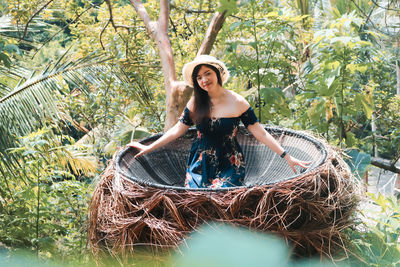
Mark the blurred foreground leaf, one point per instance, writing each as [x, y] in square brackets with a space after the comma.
[223, 245]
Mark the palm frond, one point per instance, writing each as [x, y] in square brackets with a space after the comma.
[16, 72]
[24, 108]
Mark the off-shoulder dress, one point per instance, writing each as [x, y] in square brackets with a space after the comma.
[216, 159]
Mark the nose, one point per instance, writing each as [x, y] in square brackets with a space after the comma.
[203, 79]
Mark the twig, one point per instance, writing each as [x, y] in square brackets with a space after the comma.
[372, 24]
[174, 29]
[190, 11]
[386, 8]
[101, 34]
[69, 23]
[111, 20]
[31, 18]
[187, 24]
[128, 28]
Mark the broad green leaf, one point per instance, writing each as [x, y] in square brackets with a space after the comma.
[356, 67]
[330, 80]
[110, 148]
[4, 59]
[350, 139]
[11, 48]
[364, 102]
[333, 65]
[272, 95]
[317, 111]
[338, 104]
[232, 246]
[235, 25]
[358, 162]
[230, 6]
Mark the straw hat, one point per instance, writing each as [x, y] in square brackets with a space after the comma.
[204, 59]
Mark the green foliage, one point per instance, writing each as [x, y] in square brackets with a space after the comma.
[6, 52]
[388, 123]
[375, 239]
[262, 50]
[230, 6]
[37, 98]
[333, 78]
[358, 162]
[141, 258]
[44, 206]
[337, 86]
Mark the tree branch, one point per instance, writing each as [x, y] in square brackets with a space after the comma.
[101, 34]
[370, 14]
[108, 2]
[372, 24]
[164, 14]
[187, 24]
[31, 18]
[191, 10]
[176, 35]
[63, 28]
[215, 26]
[385, 164]
[386, 8]
[111, 20]
[141, 10]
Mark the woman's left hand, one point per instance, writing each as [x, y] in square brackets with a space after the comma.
[292, 161]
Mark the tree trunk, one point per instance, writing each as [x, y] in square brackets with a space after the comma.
[176, 92]
[181, 93]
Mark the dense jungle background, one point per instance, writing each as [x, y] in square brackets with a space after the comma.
[78, 79]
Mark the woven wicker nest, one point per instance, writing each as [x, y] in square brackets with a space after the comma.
[143, 202]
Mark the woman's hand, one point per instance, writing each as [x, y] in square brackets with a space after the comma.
[292, 161]
[176, 131]
[143, 149]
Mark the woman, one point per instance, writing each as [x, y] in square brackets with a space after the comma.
[216, 159]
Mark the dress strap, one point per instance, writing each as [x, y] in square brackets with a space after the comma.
[248, 117]
[185, 117]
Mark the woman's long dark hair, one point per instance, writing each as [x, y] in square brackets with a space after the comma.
[202, 103]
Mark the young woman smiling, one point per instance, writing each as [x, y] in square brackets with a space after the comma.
[216, 159]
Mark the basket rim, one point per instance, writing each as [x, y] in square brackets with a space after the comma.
[271, 129]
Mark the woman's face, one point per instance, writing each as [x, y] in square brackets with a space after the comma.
[207, 79]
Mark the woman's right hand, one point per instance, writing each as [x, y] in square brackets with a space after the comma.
[143, 149]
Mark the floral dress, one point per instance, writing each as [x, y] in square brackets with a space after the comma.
[216, 158]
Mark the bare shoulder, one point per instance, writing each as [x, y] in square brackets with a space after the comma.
[240, 102]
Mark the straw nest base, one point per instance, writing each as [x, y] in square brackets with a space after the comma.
[309, 212]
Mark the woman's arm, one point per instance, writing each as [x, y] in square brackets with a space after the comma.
[264, 137]
[176, 131]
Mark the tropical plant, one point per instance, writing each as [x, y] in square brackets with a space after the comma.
[336, 89]
[264, 53]
[44, 207]
[24, 107]
[375, 238]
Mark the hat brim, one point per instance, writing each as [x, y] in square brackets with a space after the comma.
[189, 67]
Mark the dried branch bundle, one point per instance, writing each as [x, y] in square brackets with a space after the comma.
[309, 212]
